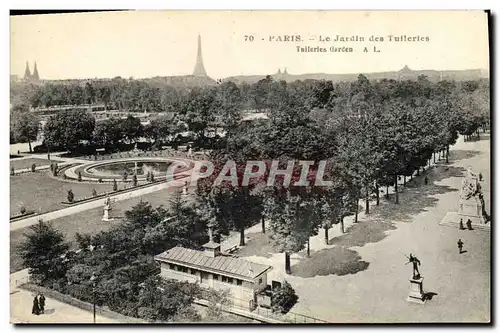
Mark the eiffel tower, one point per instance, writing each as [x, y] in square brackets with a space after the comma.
[199, 69]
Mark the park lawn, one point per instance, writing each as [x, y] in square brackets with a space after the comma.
[27, 162]
[39, 192]
[86, 222]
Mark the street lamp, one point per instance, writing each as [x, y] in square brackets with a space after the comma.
[93, 280]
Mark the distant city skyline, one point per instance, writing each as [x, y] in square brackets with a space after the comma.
[143, 44]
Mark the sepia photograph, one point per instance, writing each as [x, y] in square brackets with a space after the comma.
[250, 167]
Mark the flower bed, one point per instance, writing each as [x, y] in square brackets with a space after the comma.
[85, 199]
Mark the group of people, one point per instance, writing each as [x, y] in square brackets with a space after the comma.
[38, 305]
[468, 223]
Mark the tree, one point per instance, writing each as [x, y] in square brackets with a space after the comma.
[71, 196]
[67, 129]
[283, 298]
[24, 125]
[43, 251]
[132, 128]
[288, 222]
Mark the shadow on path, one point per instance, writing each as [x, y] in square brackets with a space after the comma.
[338, 261]
[341, 260]
[460, 154]
[259, 245]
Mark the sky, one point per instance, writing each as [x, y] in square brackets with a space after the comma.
[163, 43]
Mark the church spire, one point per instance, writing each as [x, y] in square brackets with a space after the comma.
[27, 73]
[199, 69]
[35, 75]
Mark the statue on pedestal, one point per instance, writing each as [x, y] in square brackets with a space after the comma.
[107, 208]
[185, 189]
[415, 262]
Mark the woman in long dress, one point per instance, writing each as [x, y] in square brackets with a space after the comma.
[36, 308]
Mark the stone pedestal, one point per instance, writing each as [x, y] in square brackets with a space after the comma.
[105, 216]
[471, 209]
[416, 294]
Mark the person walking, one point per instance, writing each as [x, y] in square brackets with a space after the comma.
[426, 180]
[36, 308]
[460, 246]
[41, 303]
[462, 224]
[480, 177]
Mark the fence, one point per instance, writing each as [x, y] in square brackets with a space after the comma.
[79, 304]
[289, 317]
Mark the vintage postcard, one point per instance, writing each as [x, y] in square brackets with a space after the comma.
[266, 167]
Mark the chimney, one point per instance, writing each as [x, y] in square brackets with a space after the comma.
[211, 249]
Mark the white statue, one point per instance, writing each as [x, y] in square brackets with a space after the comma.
[469, 185]
[107, 209]
[185, 189]
[190, 152]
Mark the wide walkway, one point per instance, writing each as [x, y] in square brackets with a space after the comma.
[362, 275]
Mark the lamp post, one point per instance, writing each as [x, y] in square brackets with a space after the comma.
[93, 279]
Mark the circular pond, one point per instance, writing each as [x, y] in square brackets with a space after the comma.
[124, 169]
[140, 168]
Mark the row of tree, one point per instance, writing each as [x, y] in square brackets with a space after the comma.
[153, 96]
[370, 133]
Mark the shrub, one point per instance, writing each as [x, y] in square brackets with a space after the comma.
[152, 178]
[71, 196]
[134, 180]
[12, 173]
[79, 176]
[115, 186]
[33, 167]
[23, 209]
[99, 180]
[94, 192]
[283, 298]
[125, 176]
[148, 176]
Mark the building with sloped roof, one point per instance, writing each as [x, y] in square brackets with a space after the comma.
[210, 268]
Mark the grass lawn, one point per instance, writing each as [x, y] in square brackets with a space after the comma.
[39, 192]
[88, 222]
[26, 163]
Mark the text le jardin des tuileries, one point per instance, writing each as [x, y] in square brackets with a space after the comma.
[337, 43]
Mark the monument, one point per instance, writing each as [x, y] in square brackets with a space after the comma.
[107, 209]
[416, 294]
[470, 204]
[199, 69]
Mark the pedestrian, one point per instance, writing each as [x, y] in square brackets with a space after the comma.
[18, 152]
[41, 302]
[36, 308]
[462, 224]
[460, 246]
[480, 177]
[426, 180]
[469, 224]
